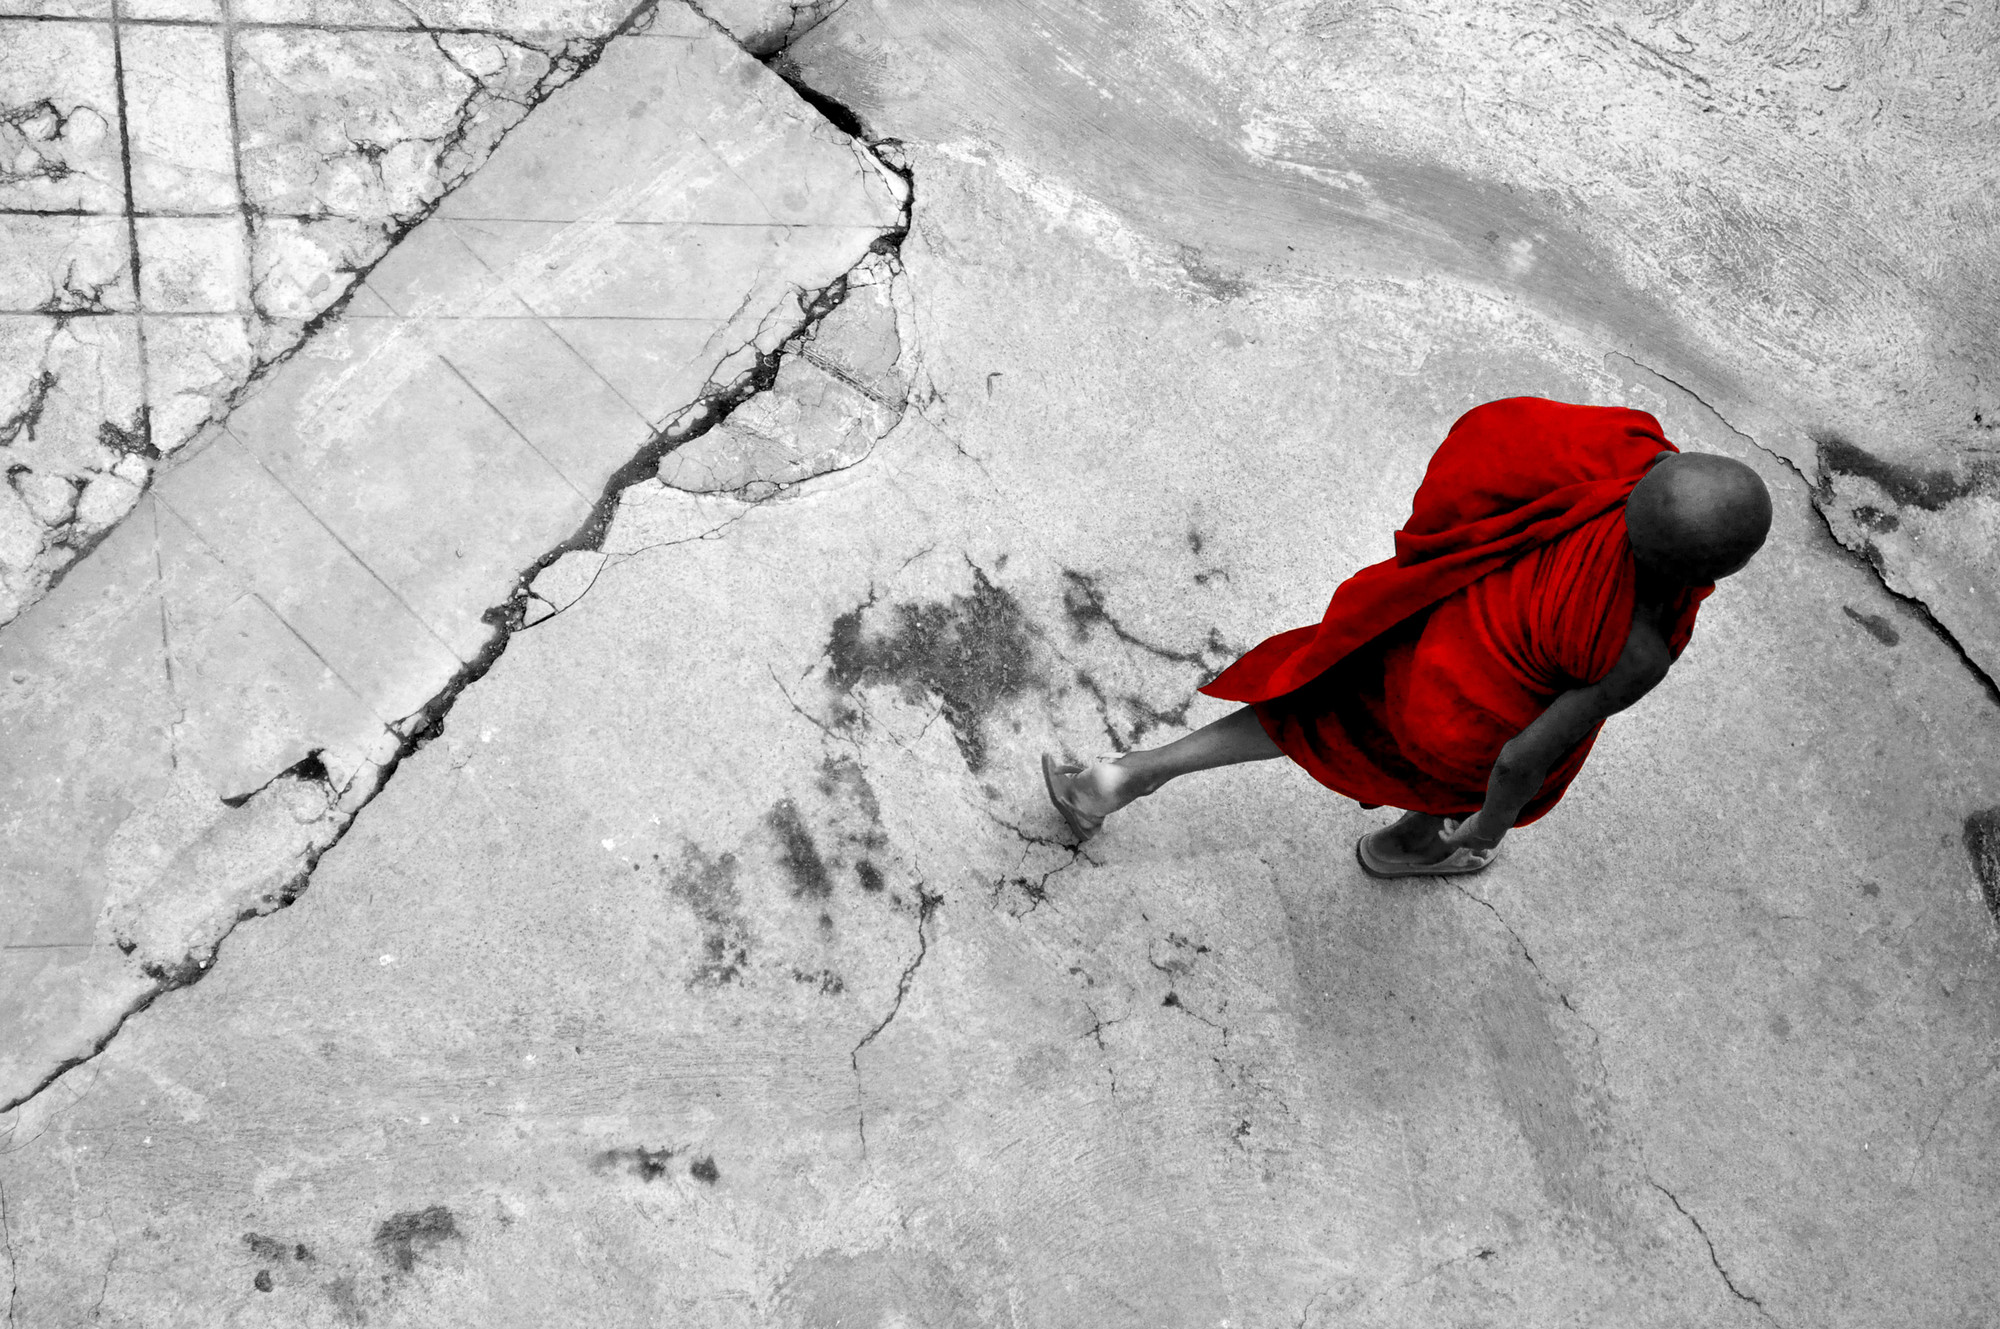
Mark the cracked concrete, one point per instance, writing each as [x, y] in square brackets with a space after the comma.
[607, 1004]
[189, 194]
[258, 554]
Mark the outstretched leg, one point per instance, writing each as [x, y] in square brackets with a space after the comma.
[1103, 787]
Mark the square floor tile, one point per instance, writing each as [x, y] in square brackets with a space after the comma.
[177, 93]
[300, 266]
[64, 264]
[60, 140]
[193, 265]
[348, 123]
[194, 363]
[72, 389]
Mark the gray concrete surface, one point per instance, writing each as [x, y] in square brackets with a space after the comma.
[718, 961]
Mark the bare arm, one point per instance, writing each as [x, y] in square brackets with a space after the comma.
[1528, 757]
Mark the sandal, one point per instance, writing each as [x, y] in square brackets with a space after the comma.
[1058, 777]
[1461, 862]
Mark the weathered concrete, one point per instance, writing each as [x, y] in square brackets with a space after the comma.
[1788, 209]
[717, 962]
[200, 709]
[187, 187]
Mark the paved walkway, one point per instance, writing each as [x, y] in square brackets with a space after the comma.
[710, 956]
[199, 710]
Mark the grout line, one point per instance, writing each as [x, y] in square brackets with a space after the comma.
[236, 158]
[335, 536]
[501, 416]
[314, 651]
[529, 37]
[132, 229]
[167, 641]
[72, 315]
[602, 377]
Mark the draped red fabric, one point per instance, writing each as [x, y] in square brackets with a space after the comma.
[1512, 583]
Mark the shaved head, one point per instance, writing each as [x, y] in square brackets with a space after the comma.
[1697, 517]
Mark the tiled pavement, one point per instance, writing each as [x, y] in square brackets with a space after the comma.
[301, 581]
[186, 185]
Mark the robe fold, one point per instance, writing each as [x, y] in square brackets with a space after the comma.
[1512, 583]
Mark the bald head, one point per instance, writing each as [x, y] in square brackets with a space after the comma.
[1697, 517]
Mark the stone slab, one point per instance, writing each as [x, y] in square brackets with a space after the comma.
[311, 574]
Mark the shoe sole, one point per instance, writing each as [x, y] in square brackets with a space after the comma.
[1447, 867]
[1049, 773]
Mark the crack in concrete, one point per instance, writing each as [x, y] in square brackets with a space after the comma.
[1820, 493]
[29, 417]
[567, 61]
[1755, 1302]
[13, 1268]
[711, 407]
[103, 1287]
[1596, 1038]
[927, 904]
[131, 225]
[1096, 1034]
[1173, 999]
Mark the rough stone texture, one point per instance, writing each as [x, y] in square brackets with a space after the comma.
[241, 164]
[1790, 209]
[302, 591]
[717, 961]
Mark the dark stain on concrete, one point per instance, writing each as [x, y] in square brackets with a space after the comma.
[1878, 627]
[722, 962]
[972, 651]
[346, 1299]
[704, 1169]
[829, 983]
[1209, 279]
[1911, 486]
[1084, 605]
[1870, 889]
[869, 874]
[272, 1249]
[842, 779]
[400, 1238]
[262, 1282]
[1982, 845]
[798, 852]
[707, 886]
[1875, 519]
[643, 1163]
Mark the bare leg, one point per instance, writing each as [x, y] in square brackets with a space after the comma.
[1105, 787]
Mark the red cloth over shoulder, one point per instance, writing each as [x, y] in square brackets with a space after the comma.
[1511, 476]
[1513, 582]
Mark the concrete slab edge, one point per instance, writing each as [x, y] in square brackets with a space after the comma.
[745, 373]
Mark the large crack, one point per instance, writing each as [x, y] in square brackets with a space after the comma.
[1868, 554]
[710, 408]
[1755, 1303]
[927, 904]
[13, 1268]
[1597, 1041]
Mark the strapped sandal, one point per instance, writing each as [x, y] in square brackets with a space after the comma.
[1058, 778]
[1461, 862]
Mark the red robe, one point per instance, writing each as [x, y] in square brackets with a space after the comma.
[1512, 583]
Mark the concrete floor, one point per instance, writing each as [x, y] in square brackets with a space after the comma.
[710, 955]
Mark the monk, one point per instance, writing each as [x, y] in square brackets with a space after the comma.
[1548, 576]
